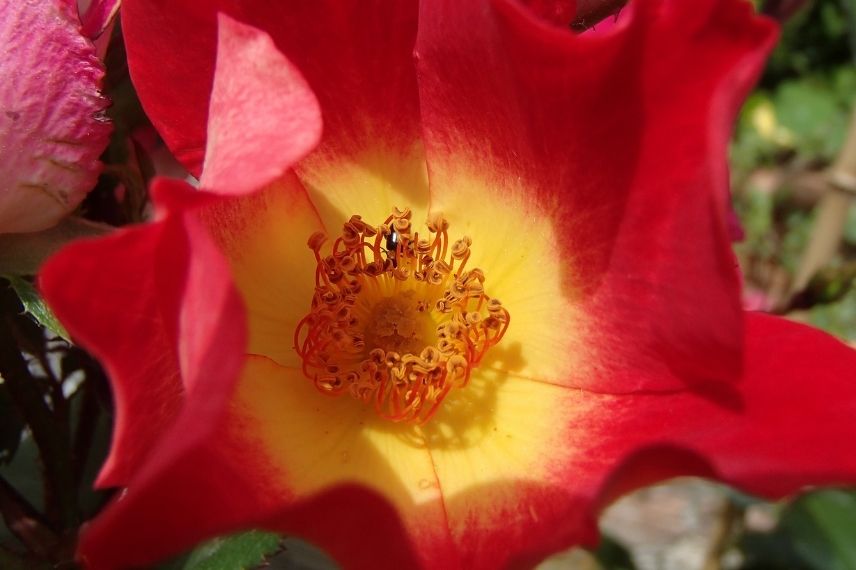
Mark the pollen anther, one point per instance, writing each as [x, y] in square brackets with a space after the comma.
[396, 321]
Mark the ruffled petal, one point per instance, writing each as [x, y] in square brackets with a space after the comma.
[128, 326]
[604, 160]
[212, 328]
[786, 426]
[150, 311]
[356, 57]
[171, 48]
[53, 127]
[793, 426]
[262, 115]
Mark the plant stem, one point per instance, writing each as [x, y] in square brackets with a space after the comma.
[87, 421]
[53, 442]
[590, 12]
[729, 520]
[832, 211]
[25, 522]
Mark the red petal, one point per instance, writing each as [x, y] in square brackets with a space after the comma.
[263, 117]
[795, 426]
[212, 322]
[560, 12]
[788, 426]
[356, 57]
[171, 51]
[610, 150]
[142, 266]
[579, 450]
[156, 317]
[215, 482]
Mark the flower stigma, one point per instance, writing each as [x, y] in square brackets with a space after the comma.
[397, 321]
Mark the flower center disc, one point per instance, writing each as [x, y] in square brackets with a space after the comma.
[396, 320]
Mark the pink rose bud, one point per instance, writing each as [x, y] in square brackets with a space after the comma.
[52, 122]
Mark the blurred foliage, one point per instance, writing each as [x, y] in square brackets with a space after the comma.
[817, 37]
[815, 532]
[802, 119]
[61, 395]
[788, 133]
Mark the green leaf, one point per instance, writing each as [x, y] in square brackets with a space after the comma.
[816, 532]
[815, 39]
[838, 318]
[246, 550]
[35, 306]
[809, 110]
[823, 527]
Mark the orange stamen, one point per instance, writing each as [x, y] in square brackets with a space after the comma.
[395, 320]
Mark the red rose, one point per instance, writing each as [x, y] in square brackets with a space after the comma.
[376, 394]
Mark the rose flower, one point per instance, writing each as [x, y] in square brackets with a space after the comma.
[493, 295]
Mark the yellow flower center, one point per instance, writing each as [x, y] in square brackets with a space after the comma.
[396, 320]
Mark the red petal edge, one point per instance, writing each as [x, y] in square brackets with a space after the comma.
[787, 425]
[641, 218]
[125, 326]
[262, 117]
[156, 305]
[342, 48]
